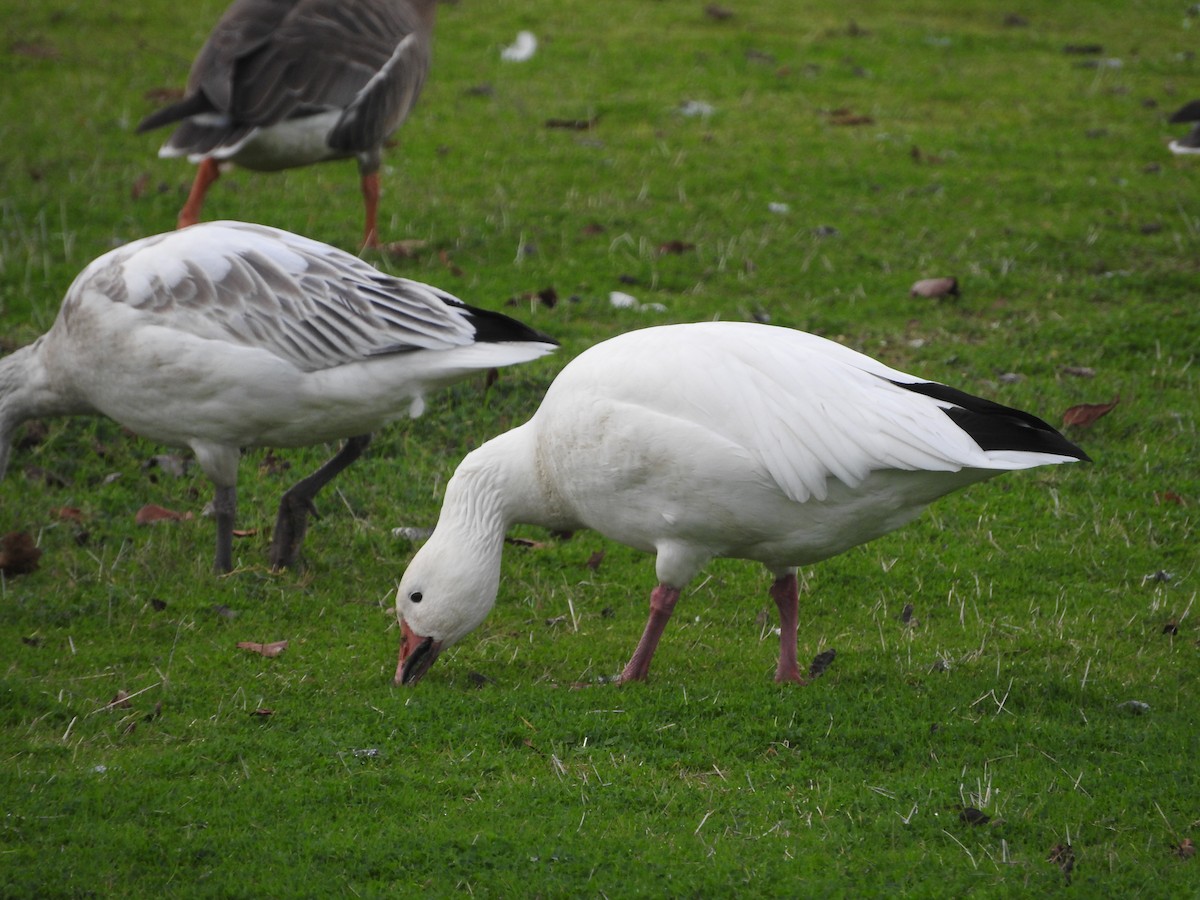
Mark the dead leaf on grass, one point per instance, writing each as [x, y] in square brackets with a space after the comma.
[19, 554]
[718, 12]
[1085, 414]
[263, 712]
[68, 514]
[1186, 849]
[151, 513]
[595, 559]
[1063, 856]
[1169, 497]
[120, 700]
[821, 662]
[407, 249]
[675, 247]
[846, 116]
[573, 124]
[268, 650]
[932, 288]
[972, 816]
[527, 543]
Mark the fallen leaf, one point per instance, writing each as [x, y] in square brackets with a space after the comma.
[68, 514]
[906, 613]
[595, 559]
[675, 247]
[263, 712]
[244, 532]
[1063, 856]
[268, 650]
[161, 96]
[1186, 849]
[1169, 497]
[718, 12]
[1079, 371]
[844, 116]
[140, 184]
[932, 288]
[120, 700]
[1172, 627]
[592, 229]
[821, 662]
[19, 554]
[31, 641]
[273, 465]
[573, 124]
[151, 513]
[407, 249]
[973, 816]
[1085, 414]
[450, 264]
[158, 604]
[34, 50]
[526, 542]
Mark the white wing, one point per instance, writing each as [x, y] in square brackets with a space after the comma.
[803, 409]
[303, 301]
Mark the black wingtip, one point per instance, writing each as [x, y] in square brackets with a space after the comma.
[497, 328]
[994, 426]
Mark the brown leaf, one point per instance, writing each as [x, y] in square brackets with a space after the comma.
[1063, 856]
[68, 514]
[972, 816]
[1186, 849]
[1169, 497]
[934, 287]
[151, 513]
[718, 12]
[675, 247]
[1085, 414]
[527, 543]
[263, 712]
[1171, 627]
[120, 700]
[244, 532]
[573, 124]
[821, 662]
[161, 96]
[845, 116]
[268, 650]
[595, 559]
[1079, 371]
[19, 554]
[906, 613]
[140, 184]
[450, 264]
[592, 229]
[34, 50]
[407, 249]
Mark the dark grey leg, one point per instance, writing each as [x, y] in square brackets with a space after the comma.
[225, 511]
[297, 503]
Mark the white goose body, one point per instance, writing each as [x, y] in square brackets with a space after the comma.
[710, 440]
[228, 335]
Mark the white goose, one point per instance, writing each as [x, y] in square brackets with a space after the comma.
[228, 335]
[286, 83]
[698, 441]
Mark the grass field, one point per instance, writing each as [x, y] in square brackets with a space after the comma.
[1046, 675]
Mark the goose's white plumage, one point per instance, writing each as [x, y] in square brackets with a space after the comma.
[286, 83]
[228, 335]
[710, 440]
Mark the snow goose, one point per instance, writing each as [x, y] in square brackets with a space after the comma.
[286, 83]
[227, 335]
[710, 440]
[1190, 142]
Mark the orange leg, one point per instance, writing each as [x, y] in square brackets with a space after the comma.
[206, 173]
[785, 591]
[370, 192]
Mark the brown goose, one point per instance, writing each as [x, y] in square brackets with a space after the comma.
[286, 83]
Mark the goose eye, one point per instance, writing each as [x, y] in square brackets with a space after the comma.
[416, 597]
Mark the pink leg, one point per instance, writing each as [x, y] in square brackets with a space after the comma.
[206, 173]
[370, 192]
[785, 591]
[662, 604]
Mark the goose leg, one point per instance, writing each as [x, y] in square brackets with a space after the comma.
[662, 604]
[225, 511]
[370, 192]
[206, 173]
[785, 591]
[297, 503]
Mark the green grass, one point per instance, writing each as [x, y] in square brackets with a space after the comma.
[1041, 181]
